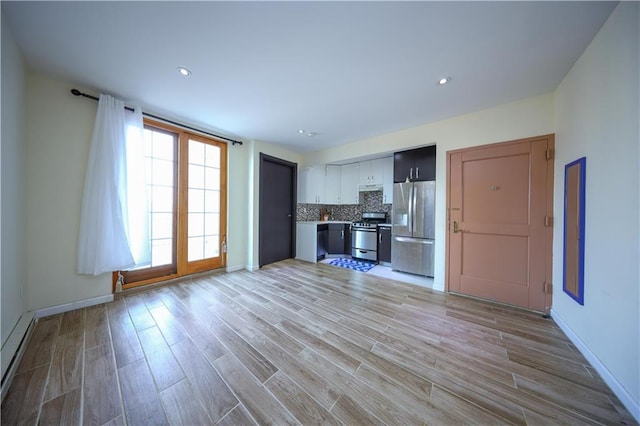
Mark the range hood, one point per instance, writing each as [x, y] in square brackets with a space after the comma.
[369, 188]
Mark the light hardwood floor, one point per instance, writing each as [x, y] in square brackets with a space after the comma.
[299, 343]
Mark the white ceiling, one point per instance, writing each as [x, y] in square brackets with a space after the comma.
[344, 70]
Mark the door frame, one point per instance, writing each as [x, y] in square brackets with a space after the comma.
[294, 199]
[549, 209]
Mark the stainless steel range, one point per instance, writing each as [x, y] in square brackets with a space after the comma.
[364, 236]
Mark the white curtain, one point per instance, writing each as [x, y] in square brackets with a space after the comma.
[114, 230]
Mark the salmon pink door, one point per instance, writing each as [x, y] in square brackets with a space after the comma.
[499, 216]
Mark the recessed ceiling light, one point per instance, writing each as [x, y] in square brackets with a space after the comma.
[184, 71]
[301, 131]
[311, 134]
[444, 80]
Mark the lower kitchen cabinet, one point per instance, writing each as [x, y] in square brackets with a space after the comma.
[384, 245]
[323, 241]
[315, 240]
[339, 239]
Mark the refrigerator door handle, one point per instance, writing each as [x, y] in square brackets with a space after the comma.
[414, 197]
[410, 212]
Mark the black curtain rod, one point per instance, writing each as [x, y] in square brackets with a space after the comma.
[76, 92]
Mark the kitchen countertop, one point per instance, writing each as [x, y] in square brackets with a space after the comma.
[328, 222]
[323, 222]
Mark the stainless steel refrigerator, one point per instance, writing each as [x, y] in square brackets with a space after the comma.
[413, 220]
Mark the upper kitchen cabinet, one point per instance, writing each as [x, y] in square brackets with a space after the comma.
[311, 185]
[349, 184]
[415, 165]
[370, 172]
[333, 185]
[387, 180]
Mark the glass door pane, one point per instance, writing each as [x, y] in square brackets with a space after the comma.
[161, 155]
[203, 206]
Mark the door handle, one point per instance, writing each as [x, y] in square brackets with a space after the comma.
[342, 234]
[288, 215]
[417, 172]
[379, 238]
[411, 173]
[455, 227]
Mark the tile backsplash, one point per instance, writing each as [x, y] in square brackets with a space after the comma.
[369, 202]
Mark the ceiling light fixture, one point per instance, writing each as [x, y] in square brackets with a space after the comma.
[301, 131]
[184, 71]
[311, 134]
[444, 80]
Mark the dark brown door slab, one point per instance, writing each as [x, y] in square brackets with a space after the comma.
[277, 209]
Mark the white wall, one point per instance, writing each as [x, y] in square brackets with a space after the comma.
[13, 175]
[59, 128]
[255, 148]
[525, 118]
[238, 210]
[597, 117]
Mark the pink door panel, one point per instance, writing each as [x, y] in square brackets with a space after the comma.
[498, 199]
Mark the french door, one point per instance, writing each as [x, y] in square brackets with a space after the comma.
[186, 180]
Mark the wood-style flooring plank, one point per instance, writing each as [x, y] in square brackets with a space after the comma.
[305, 409]
[237, 417]
[168, 325]
[416, 401]
[207, 384]
[285, 358]
[463, 412]
[253, 360]
[72, 322]
[66, 366]
[259, 402]
[125, 339]
[576, 398]
[41, 343]
[139, 313]
[165, 369]
[96, 326]
[181, 407]
[102, 401]
[351, 413]
[141, 401]
[22, 403]
[63, 410]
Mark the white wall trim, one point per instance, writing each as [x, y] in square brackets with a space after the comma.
[251, 268]
[58, 309]
[609, 379]
[234, 268]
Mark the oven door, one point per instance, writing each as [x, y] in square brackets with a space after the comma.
[364, 244]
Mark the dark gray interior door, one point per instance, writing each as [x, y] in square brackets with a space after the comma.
[277, 209]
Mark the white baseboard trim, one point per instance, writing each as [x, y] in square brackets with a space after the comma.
[609, 379]
[235, 268]
[53, 310]
[13, 348]
[251, 268]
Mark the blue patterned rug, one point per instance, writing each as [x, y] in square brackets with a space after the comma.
[356, 265]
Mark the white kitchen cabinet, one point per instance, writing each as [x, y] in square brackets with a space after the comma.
[377, 171]
[307, 241]
[311, 184]
[387, 180]
[370, 172]
[349, 184]
[333, 184]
